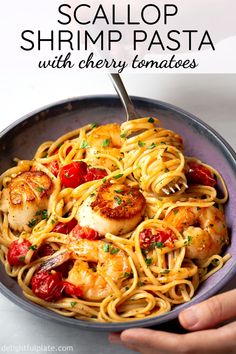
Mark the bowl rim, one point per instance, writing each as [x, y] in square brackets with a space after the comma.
[152, 321]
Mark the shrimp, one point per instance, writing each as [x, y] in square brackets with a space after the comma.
[205, 229]
[92, 260]
[104, 140]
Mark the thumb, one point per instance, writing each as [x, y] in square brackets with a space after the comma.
[210, 312]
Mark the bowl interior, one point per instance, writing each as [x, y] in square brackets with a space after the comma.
[23, 137]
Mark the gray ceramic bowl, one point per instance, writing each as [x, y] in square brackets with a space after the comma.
[23, 137]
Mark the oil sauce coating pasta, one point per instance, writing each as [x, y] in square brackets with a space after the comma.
[112, 223]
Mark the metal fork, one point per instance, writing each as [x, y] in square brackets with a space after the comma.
[132, 114]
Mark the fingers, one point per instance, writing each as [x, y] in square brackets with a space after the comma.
[146, 341]
[210, 312]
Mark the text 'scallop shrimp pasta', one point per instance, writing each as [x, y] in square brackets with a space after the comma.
[112, 223]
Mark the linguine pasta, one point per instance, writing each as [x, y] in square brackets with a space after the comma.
[122, 276]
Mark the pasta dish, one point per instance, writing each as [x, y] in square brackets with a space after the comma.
[112, 223]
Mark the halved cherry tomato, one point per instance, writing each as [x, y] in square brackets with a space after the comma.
[167, 237]
[47, 285]
[85, 232]
[72, 175]
[146, 238]
[45, 250]
[65, 228]
[71, 289]
[199, 174]
[95, 173]
[53, 166]
[17, 252]
[64, 268]
[67, 150]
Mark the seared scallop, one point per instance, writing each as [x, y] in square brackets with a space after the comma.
[26, 194]
[115, 208]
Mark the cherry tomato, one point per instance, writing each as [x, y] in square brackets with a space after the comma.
[199, 174]
[47, 286]
[85, 232]
[95, 173]
[17, 252]
[64, 268]
[68, 150]
[146, 238]
[72, 175]
[65, 228]
[71, 289]
[53, 166]
[166, 237]
[45, 250]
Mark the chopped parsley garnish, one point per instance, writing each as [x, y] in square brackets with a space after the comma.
[53, 221]
[106, 247]
[114, 250]
[150, 120]
[119, 191]
[141, 143]
[159, 244]
[165, 271]
[156, 245]
[106, 143]
[152, 146]
[129, 201]
[126, 275]
[167, 169]
[166, 149]
[141, 283]
[198, 208]
[123, 135]
[93, 125]
[215, 262]
[118, 176]
[118, 200]
[73, 303]
[84, 144]
[188, 241]
[33, 247]
[148, 261]
[40, 189]
[126, 288]
[43, 213]
[21, 258]
[92, 194]
[104, 180]
[32, 223]
[144, 252]
[176, 211]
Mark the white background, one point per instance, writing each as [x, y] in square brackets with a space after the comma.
[210, 97]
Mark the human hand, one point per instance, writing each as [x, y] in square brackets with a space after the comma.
[202, 318]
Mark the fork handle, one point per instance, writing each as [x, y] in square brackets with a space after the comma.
[122, 93]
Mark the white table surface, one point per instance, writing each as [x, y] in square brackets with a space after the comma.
[210, 97]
